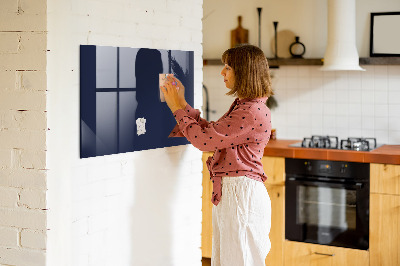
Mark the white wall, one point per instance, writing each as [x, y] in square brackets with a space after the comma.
[140, 208]
[306, 19]
[311, 102]
[23, 133]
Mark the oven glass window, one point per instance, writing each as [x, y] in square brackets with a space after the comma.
[326, 207]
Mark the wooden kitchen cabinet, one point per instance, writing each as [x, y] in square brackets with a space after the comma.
[277, 233]
[305, 254]
[385, 215]
[385, 178]
[274, 168]
[206, 225]
[384, 236]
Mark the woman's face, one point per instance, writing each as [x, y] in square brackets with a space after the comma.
[229, 76]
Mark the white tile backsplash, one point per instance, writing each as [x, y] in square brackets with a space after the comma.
[343, 103]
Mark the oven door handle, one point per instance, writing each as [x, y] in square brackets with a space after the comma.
[357, 185]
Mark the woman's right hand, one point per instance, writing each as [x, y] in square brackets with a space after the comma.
[181, 91]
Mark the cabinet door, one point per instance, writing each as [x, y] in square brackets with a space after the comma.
[384, 230]
[277, 233]
[206, 232]
[274, 168]
[385, 178]
[304, 254]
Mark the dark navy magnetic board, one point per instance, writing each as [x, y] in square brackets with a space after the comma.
[119, 87]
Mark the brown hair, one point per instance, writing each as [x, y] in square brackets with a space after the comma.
[250, 66]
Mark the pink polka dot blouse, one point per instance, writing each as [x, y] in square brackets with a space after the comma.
[238, 139]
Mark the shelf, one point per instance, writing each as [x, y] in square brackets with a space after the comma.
[380, 61]
[273, 63]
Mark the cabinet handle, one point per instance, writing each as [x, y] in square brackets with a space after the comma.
[324, 254]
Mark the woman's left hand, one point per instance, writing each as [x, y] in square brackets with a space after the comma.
[170, 89]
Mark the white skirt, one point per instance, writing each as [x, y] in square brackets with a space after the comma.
[241, 223]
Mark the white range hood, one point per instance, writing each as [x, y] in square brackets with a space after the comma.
[341, 51]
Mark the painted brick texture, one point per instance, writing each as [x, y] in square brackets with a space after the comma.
[23, 218]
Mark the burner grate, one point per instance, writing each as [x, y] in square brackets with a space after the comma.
[358, 144]
[327, 142]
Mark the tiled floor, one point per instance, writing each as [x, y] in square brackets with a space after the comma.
[206, 261]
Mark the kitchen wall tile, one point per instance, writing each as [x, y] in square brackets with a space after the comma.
[394, 110]
[329, 109]
[317, 131]
[354, 122]
[367, 110]
[329, 93]
[367, 133]
[317, 95]
[394, 137]
[355, 132]
[381, 123]
[367, 123]
[342, 133]
[303, 82]
[355, 109]
[328, 74]
[342, 109]
[329, 122]
[316, 82]
[304, 72]
[355, 96]
[365, 99]
[381, 136]
[380, 71]
[381, 84]
[317, 108]
[278, 83]
[317, 121]
[367, 82]
[369, 70]
[394, 123]
[354, 80]
[394, 82]
[394, 97]
[304, 131]
[278, 72]
[381, 97]
[291, 133]
[292, 82]
[342, 96]
[293, 120]
[393, 71]
[342, 122]
[342, 80]
[315, 72]
[331, 131]
[367, 96]
[381, 110]
[291, 71]
[304, 109]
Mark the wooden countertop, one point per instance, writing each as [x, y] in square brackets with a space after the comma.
[389, 154]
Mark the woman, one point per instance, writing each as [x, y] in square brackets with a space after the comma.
[242, 208]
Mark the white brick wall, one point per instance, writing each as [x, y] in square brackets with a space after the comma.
[23, 132]
[140, 208]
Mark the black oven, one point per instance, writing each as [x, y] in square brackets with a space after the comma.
[327, 202]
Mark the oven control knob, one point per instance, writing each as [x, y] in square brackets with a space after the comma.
[343, 168]
[308, 166]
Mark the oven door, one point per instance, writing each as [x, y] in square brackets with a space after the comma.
[327, 213]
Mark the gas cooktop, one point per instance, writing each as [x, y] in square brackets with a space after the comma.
[332, 142]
